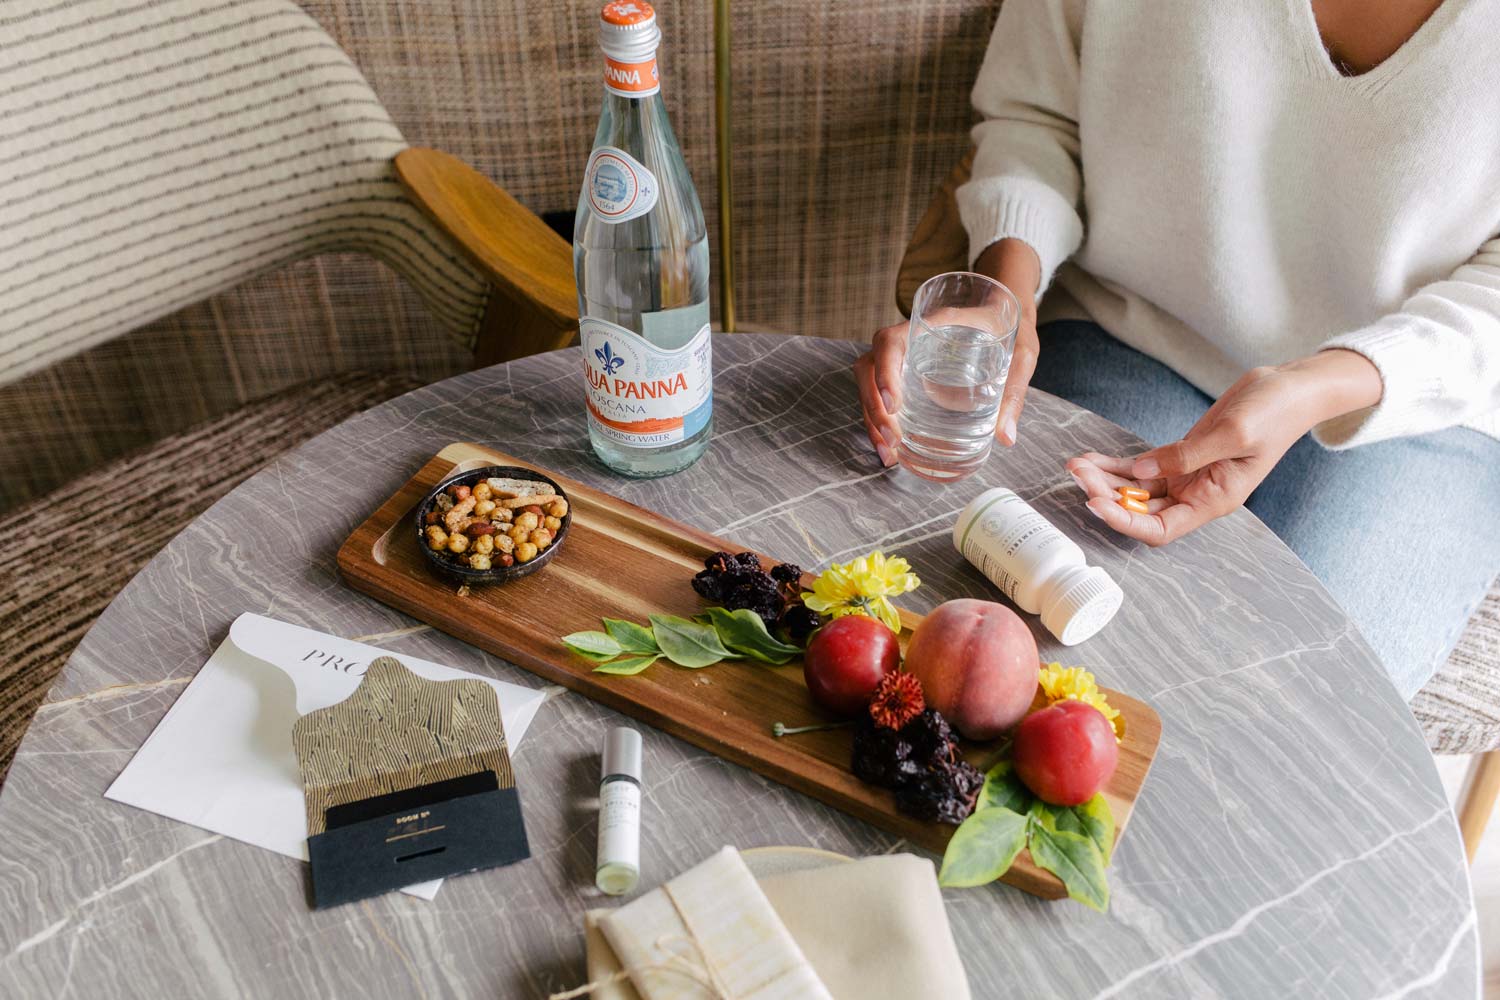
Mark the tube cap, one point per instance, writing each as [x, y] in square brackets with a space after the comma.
[1083, 606]
[622, 753]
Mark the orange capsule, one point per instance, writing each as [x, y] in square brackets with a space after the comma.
[1134, 493]
[1132, 504]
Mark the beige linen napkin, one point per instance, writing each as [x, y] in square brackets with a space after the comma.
[874, 928]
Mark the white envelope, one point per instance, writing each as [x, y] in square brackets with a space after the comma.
[222, 756]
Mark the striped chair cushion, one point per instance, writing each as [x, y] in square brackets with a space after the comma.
[153, 152]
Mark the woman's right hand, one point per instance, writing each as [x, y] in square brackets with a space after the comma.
[878, 371]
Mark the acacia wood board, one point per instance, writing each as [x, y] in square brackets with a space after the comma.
[622, 561]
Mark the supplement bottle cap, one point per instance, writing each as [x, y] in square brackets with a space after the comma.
[1083, 605]
[628, 31]
[622, 753]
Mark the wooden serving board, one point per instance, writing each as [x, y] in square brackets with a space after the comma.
[621, 561]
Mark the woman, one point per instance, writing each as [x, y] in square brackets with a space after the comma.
[1279, 225]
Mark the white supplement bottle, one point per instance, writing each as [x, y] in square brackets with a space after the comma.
[1040, 569]
[618, 867]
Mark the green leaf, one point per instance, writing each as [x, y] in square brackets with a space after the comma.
[983, 848]
[596, 646]
[686, 643]
[1073, 858]
[745, 632]
[1091, 819]
[1003, 789]
[632, 638]
[627, 665]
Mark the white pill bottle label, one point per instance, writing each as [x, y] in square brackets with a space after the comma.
[1006, 537]
[620, 823]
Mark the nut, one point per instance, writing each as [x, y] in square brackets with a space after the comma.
[457, 543]
[460, 492]
[478, 528]
[455, 518]
[433, 517]
[551, 523]
[525, 552]
[533, 509]
[437, 538]
[505, 559]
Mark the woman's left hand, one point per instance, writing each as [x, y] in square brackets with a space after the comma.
[1212, 470]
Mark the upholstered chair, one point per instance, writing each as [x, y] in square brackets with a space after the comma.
[152, 155]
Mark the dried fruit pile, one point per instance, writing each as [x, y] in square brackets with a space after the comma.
[902, 745]
[738, 582]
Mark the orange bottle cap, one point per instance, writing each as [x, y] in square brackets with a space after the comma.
[627, 12]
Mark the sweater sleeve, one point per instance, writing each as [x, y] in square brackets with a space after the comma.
[1438, 357]
[1027, 181]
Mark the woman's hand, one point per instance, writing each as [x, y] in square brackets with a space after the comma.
[878, 371]
[1231, 449]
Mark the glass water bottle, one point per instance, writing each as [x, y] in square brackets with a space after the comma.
[640, 255]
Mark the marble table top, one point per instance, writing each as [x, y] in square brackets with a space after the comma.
[1292, 839]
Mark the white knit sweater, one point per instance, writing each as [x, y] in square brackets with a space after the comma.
[1225, 198]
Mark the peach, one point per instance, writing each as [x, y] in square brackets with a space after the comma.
[977, 662]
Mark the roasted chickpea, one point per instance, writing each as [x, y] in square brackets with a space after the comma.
[551, 523]
[437, 538]
[518, 533]
[482, 491]
[479, 561]
[541, 538]
[457, 543]
[525, 552]
[460, 492]
[558, 508]
[503, 543]
[484, 508]
[484, 545]
[505, 559]
[502, 514]
[529, 521]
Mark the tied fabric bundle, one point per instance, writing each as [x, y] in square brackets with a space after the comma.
[708, 934]
[870, 929]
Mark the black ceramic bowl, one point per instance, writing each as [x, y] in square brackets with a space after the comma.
[440, 562]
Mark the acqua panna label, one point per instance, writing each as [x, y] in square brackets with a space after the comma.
[640, 395]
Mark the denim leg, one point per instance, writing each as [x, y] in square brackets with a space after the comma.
[1083, 364]
[1402, 533]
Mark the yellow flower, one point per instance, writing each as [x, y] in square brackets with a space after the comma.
[1060, 683]
[863, 587]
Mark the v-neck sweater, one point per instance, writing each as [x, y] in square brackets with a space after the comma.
[1207, 186]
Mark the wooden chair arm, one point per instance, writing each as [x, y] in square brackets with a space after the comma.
[533, 306]
[939, 243]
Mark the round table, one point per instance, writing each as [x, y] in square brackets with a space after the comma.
[1291, 840]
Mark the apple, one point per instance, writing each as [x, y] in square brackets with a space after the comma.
[1065, 753]
[845, 661]
[977, 662]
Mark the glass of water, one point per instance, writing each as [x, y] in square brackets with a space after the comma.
[963, 329]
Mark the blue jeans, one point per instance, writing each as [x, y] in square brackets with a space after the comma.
[1403, 533]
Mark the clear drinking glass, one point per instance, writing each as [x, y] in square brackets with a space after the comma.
[963, 329]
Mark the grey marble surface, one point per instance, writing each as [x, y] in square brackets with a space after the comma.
[1292, 840]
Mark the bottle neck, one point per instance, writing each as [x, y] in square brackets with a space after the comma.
[632, 77]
